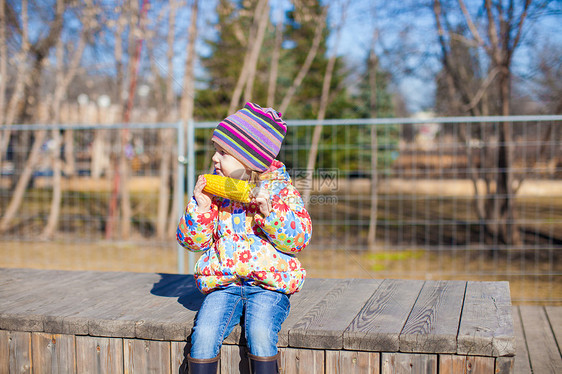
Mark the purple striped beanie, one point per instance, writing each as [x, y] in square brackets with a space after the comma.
[253, 135]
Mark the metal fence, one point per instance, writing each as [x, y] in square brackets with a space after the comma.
[442, 198]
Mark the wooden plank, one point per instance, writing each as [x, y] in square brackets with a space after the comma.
[487, 325]
[4, 351]
[302, 361]
[453, 364]
[323, 326]
[99, 313]
[98, 355]
[179, 352]
[434, 321]
[408, 363]
[234, 360]
[505, 365]
[522, 364]
[24, 310]
[79, 297]
[543, 351]
[480, 365]
[112, 317]
[377, 327]
[554, 314]
[174, 302]
[29, 312]
[14, 281]
[313, 291]
[146, 356]
[19, 347]
[352, 362]
[53, 353]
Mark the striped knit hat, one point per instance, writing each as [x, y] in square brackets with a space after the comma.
[253, 135]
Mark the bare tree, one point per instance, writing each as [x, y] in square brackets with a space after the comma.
[274, 67]
[121, 23]
[122, 169]
[320, 24]
[254, 44]
[29, 90]
[327, 81]
[187, 102]
[166, 135]
[503, 29]
[63, 80]
[9, 114]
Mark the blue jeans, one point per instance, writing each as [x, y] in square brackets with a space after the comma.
[264, 312]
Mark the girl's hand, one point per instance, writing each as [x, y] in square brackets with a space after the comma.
[203, 198]
[261, 198]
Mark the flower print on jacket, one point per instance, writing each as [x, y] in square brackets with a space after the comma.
[242, 245]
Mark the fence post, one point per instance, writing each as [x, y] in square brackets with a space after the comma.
[180, 189]
[190, 176]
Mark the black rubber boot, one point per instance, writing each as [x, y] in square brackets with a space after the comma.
[264, 365]
[203, 366]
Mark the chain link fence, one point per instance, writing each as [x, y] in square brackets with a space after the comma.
[447, 198]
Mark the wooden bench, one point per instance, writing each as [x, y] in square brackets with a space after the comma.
[115, 322]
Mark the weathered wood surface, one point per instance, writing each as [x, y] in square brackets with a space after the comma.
[451, 364]
[53, 353]
[544, 353]
[99, 355]
[377, 327]
[486, 327]
[522, 364]
[413, 363]
[147, 356]
[328, 314]
[323, 326]
[433, 323]
[352, 362]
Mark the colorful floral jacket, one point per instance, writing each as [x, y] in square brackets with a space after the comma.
[241, 246]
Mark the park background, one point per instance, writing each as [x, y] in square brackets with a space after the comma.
[395, 136]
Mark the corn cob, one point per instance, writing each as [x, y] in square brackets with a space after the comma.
[230, 188]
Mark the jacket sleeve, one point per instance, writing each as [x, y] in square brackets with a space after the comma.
[288, 226]
[196, 230]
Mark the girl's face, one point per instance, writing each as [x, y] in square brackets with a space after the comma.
[228, 166]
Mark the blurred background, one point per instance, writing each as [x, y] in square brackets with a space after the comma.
[425, 136]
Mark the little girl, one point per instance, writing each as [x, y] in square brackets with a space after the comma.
[248, 265]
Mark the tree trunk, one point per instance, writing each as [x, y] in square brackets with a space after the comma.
[263, 18]
[62, 82]
[186, 107]
[23, 181]
[321, 23]
[317, 135]
[112, 214]
[504, 28]
[54, 211]
[509, 229]
[135, 45]
[274, 67]
[22, 78]
[166, 135]
[252, 52]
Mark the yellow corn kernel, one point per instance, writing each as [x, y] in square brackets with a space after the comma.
[230, 188]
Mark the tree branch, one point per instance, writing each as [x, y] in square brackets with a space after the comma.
[470, 24]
